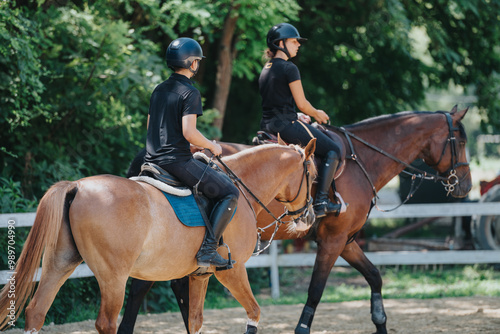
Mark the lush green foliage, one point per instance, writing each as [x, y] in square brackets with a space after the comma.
[371, 57]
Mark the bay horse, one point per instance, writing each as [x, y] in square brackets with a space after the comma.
[123, 228]
[381, 148]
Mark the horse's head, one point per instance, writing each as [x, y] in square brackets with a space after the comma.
[296, 196]
[447, 154]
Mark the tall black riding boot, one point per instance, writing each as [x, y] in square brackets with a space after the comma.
[219, 218]
[326, 173]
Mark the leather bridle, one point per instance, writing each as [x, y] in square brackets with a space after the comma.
[449, 182]
[452, 171]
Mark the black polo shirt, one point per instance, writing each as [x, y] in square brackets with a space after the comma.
[170, 101]
[277, 98]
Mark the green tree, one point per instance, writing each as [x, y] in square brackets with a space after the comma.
[360, 59]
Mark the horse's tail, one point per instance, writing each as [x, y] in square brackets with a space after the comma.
[51, 212]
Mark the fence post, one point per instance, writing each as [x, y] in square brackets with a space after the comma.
[275, 277]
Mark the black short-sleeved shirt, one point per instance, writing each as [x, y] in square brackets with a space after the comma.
[170, 101]
[277, 98]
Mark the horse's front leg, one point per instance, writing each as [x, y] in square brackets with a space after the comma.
[197, 292]
[236, 281]
[357, 259]
[180, 287]
[329, 250]
[137, 292]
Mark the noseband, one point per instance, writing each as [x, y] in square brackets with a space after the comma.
[449, 182]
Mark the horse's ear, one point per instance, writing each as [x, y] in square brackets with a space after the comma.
[281, 141]
[454, 109]
[459, 115]
[311, 146]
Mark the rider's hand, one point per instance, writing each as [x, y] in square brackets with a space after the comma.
[304, 118]
[216, 149]
[321, 117]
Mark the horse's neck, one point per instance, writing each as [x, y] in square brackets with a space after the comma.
[266, 175]
[403, 138]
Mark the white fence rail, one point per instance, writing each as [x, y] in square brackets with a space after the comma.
[273, 260]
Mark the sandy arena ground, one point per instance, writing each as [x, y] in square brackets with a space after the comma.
[447, 315]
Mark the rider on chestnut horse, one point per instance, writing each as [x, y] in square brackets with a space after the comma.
[174, 107]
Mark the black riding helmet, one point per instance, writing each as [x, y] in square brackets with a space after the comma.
[182, 52]
[280, 32]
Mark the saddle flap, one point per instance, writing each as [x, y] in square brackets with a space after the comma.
[338, 140]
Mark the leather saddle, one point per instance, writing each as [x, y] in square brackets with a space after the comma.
[264, 137]
[158, 173]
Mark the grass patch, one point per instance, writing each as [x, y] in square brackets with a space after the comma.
[346, 284]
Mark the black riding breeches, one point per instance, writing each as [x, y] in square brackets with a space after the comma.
[300, 133]
[212, 184]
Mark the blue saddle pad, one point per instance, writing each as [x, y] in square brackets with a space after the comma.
[186, 209]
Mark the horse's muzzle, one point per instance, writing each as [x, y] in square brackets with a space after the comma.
[305, 221]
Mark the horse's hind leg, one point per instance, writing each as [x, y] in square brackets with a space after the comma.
[57, 266]
[236, 281]
[112, 295]
[357, 259]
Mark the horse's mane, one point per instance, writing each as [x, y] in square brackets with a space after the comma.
[256, 149]
[385, 118]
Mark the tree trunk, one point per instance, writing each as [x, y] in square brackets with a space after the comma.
[227, 53]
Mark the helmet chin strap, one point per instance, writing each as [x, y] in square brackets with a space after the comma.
[197, 68]
[284, 49]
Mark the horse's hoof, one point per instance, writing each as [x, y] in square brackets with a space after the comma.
[251, 329]
[302, 330]
[381, 329]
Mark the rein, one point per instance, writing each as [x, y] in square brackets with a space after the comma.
[303, 211]
[417, 173]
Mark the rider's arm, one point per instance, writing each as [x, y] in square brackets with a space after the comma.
[195, 137]
[304, 105]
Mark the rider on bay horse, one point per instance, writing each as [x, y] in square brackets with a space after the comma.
[280, 88]
[174, 107]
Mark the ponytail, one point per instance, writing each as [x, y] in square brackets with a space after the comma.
[269, 54]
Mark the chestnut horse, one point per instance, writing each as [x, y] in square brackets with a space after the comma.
[385, 145]
[123, 228]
